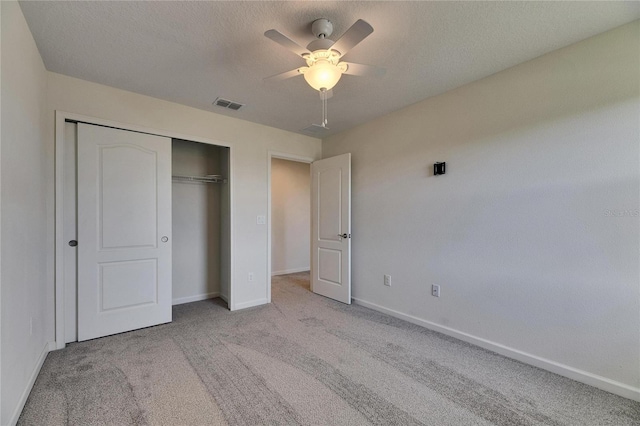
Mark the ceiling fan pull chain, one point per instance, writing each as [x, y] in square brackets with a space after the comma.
[324, 107]
[326, 110]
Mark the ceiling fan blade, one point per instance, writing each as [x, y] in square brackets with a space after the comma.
[285, 75]
[286, 42]
[354, 35]
[363, 70]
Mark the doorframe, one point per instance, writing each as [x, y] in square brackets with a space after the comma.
[60, 118]
[290, 157]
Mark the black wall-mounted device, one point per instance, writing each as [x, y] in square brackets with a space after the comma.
[438, 168]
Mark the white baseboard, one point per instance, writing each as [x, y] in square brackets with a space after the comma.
[250, 304]
[32, 379]
[582, 376]
[196, 298]
[224, 297]
[290, 271]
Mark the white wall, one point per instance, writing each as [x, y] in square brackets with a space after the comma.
[27, 314]
[290, 216]
[250, 144]
[522, 232]
[196, 218]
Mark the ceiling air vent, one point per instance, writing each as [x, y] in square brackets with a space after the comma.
[225, 103]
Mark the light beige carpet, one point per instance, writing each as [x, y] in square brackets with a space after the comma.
[304, 360]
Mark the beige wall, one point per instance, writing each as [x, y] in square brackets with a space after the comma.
[533, 233]
[26, 312]
[290, 216]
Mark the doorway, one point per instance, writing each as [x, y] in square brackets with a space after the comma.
[289, 208]
[328, 248]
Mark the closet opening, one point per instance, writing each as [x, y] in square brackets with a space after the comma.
[200, 221]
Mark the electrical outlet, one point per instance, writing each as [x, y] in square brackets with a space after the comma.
[387, 280]
[261, 220]
[435, 290]
[250, 276]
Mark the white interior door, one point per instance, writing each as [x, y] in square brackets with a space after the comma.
[124, 230]
[331, 227]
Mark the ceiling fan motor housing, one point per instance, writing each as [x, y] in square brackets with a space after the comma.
[322, 28]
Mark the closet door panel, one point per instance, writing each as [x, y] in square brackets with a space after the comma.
[124, 231]
[133, 221]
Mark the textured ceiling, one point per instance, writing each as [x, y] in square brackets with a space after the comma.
[193, 52]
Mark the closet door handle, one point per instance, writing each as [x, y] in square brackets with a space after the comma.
[73, 243]
[164, 239]
[345, 235]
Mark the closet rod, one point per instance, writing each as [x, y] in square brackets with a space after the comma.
[203, 179]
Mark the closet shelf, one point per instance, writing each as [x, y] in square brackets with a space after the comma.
[203, 179]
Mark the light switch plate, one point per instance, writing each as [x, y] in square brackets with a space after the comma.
[261, 220]
[435, 290]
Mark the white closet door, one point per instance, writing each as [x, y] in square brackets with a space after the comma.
[124, 231]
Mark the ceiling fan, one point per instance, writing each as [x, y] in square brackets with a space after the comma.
[324, 68]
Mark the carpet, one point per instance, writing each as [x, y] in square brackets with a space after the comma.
[303, 360]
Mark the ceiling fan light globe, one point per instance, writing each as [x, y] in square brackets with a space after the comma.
[322, 75]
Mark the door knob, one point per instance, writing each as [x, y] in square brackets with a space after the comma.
[345, 235]
[165, 239]
[73, 243]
